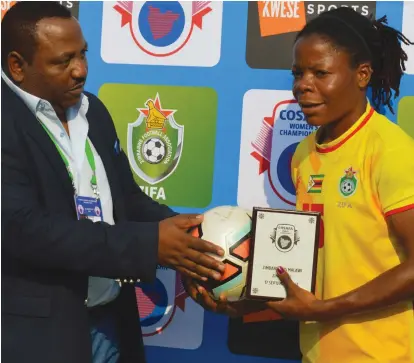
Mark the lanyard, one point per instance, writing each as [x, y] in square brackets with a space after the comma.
[89, 156]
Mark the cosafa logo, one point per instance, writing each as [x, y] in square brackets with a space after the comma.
[162, 32]
[273, 26]
[272, 127]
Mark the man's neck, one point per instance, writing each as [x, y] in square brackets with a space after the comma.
[61, 114]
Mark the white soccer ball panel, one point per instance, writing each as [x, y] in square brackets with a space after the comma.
[221, 223]
[150, 144]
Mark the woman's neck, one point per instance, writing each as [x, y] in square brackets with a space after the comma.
[335, 129]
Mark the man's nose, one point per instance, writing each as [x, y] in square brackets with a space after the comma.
[80, 69]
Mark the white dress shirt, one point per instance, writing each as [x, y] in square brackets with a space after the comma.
[101, 290]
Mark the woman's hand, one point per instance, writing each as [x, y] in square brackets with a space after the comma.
[233, 309]
[299, 304]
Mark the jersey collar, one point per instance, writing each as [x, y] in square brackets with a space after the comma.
[357, 126]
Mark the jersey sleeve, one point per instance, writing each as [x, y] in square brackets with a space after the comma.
[394, 176]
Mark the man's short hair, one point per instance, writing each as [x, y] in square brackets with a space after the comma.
[19, 27]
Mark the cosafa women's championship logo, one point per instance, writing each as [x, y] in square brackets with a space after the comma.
[162, 28]
[272, 127]
[162, 32]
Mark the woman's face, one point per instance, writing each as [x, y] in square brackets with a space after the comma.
[325, 85]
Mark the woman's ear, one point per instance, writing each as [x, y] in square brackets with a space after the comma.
[364, 73]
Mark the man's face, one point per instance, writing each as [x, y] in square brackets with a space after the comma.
[59, 67]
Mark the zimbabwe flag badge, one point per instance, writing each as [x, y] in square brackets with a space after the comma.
[315, 183]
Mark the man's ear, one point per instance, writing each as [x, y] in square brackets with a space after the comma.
[364, 73]
[16, 66]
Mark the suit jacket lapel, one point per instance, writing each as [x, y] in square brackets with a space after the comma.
[104, 150]
[35, 131]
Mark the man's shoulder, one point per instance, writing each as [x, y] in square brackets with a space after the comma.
[9, 100]
[94, 101]
[12, 107]
[98, 113]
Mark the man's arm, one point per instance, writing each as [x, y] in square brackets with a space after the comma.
[127, 250]
[31, 234]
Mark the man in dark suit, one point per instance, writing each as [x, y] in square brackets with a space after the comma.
[61, 154]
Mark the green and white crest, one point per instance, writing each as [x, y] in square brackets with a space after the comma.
[348, 183]
[155, 142]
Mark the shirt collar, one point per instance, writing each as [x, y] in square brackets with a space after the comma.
[36, 104]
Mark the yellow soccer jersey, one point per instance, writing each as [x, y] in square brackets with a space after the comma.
[355, 182]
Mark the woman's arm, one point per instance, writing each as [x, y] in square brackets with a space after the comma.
[393, 286]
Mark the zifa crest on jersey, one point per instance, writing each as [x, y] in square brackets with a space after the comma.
[155, 142]
[348, 183]
[162, 28]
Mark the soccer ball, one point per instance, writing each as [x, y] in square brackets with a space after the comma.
[153, 150]
[347, 187]
[229, 227]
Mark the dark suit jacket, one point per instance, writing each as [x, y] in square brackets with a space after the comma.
[47, 254]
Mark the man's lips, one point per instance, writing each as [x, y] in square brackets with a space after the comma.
[78, 87]
[77, 90]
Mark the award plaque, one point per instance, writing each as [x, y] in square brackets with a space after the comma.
[282, 238]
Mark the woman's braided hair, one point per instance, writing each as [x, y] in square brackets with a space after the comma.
[366, 40]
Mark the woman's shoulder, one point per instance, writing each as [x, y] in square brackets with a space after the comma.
[387, 134]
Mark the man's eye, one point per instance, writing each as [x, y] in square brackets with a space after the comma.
[65, 61]
[321, 73]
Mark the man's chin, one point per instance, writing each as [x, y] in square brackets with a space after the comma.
[73, 100]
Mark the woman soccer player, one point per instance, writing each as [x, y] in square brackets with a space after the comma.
[362, 311]
[363, 308]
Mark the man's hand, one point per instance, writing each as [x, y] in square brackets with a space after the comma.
[233, 309]
[299, 304]
[185, 253]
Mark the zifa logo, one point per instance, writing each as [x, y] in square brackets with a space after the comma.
[155, 142]
[284, 237]
[162, 28]
[348, 183]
